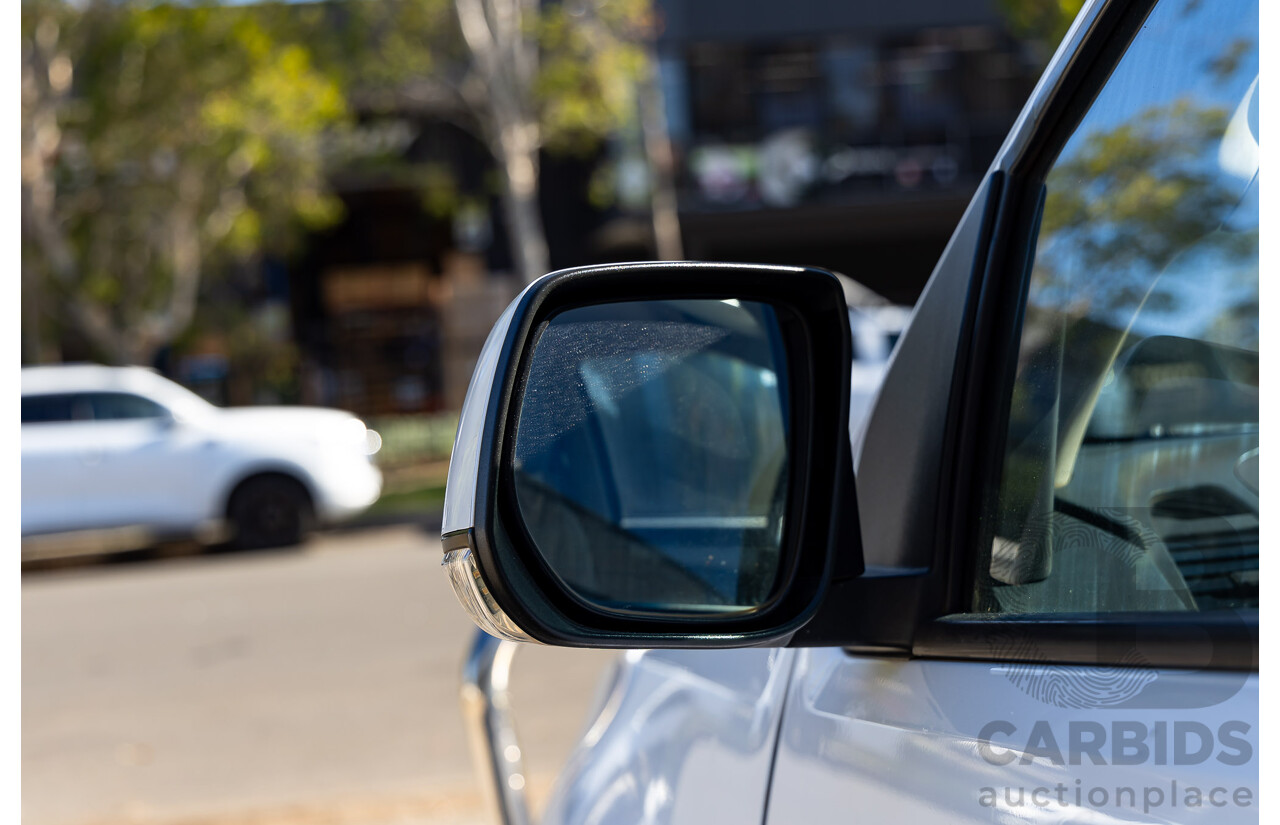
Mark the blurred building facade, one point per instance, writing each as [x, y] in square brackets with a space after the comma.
[849, 136]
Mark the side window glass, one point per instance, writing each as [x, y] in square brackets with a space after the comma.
[119, 406]
[59, 408]
[1130, 472]
[47, 409]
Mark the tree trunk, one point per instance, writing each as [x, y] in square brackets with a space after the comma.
[523, 213]
[505, 63]
[657, 148]
[183, 250]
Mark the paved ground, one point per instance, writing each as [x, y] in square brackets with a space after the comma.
[308, 687]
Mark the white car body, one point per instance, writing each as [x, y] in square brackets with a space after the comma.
[817, 734]
[172, 473]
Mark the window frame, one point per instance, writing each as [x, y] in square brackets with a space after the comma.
[979, 413]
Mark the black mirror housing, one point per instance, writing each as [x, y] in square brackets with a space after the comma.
[655, 455]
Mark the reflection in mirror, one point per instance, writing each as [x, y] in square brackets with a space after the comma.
[651, 466]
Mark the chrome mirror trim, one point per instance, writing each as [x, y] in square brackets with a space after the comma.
[486, 710]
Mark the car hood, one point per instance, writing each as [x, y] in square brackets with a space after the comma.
[288, 422]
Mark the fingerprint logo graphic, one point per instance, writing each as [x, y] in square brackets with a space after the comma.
[1116, 556]
[1083, 687]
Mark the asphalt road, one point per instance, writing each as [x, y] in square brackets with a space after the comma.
[299, 687]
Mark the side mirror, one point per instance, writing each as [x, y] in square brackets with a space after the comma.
[649, 455]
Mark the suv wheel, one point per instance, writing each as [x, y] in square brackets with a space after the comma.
[271, 511]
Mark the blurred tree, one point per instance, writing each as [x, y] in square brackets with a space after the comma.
[262, 361]
[158, 140]
[519, 75]
[1045, 21]
[563, 74]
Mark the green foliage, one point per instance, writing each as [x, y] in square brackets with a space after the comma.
[262, 360]
[439, 189]
[1043, 20]
[397, 56]
[372, 47]
[590, 69]
[188, 136]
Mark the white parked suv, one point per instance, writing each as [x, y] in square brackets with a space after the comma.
[121, 457]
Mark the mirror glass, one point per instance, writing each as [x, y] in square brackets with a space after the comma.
[651, 455]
